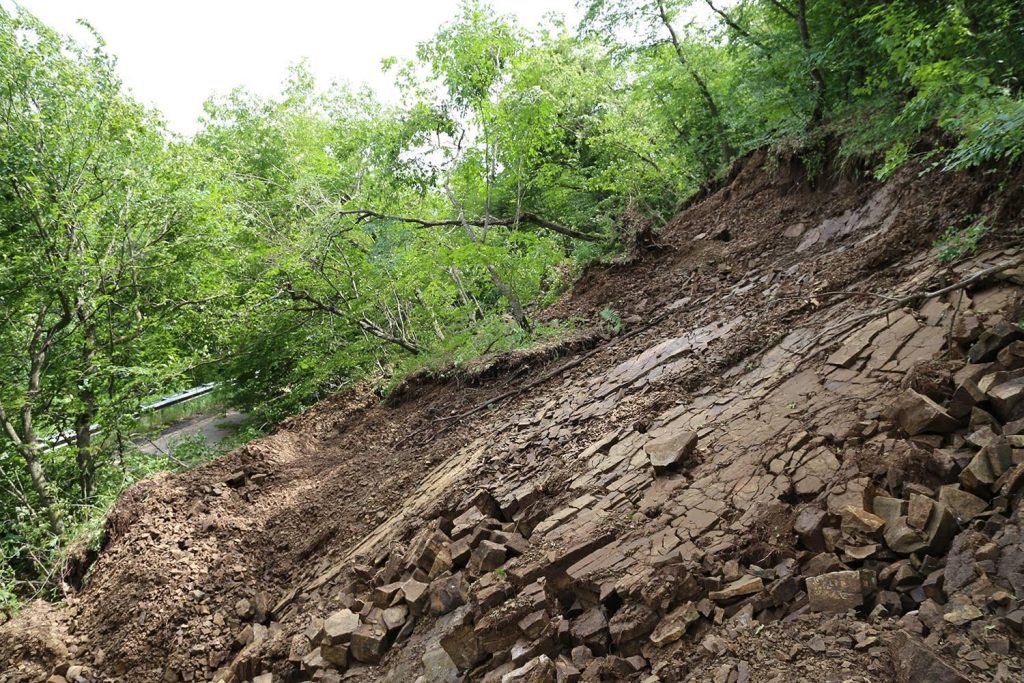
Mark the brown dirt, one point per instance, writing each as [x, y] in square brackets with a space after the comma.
[354, 477]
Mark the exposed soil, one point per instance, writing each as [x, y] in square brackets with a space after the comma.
[746, 324]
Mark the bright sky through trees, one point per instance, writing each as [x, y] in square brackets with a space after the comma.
[176, 54]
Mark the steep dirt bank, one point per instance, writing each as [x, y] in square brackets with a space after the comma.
[705, 495]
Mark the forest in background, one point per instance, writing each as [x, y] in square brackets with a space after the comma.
[300, 243]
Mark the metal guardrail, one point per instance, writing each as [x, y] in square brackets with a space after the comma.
[65, 438]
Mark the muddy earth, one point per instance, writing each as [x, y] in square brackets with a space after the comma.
[801, 458]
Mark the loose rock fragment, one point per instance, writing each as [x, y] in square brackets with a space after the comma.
[836, 591]
[915, 414]
[915, 662]
[673, 625]
[368, 643]
[964, 506]
[447, 593]
[670, 451]
[539, 670]
[339, 627]
[747, 585]
[808, 526]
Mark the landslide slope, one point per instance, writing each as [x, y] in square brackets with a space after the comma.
[792, 463]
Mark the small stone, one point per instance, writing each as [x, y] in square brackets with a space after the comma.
[415, 594]
[487, 557]
[902, 539]
[992, 341]
[314, 661]
[447, 593]
[808, 526]
[368, 643]
[964, 506]
[299, 647]
[243, 608]
[670, 451]
[538, 670]
[673, 625]
[858, 521]
[394, 617]
[591, 629]
[336, 655]
[958, 616]
[965, 398]
[889, 508]
[918, 512]
[631, 622]
[915, 662]
[747, 585]
[1008, 399]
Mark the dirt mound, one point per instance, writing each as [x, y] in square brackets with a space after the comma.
[794, 462]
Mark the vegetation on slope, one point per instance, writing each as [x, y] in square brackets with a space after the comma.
[299, 243]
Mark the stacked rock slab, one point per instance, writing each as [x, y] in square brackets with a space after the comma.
[897, 503]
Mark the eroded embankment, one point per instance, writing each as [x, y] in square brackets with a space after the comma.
[767, 475]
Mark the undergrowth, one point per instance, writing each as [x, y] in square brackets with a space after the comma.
[956, 243]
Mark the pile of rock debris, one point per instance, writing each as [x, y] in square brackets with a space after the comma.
[921, 555]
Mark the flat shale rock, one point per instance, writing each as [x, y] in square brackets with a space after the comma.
[915, 662]
[539, 670]
[746, 585]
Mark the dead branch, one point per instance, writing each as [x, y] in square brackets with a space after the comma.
[896, 304]
[525, 217]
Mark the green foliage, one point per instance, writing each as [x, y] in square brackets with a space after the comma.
[957, 243]
[613, 319]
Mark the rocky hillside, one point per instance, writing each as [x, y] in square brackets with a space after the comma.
[801, 457]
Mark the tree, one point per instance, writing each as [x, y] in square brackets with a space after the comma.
[100, 230]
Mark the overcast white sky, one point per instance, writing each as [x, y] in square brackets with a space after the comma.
[176, 53]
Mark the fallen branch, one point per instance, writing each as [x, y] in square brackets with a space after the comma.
[898, 303]
[525, 217]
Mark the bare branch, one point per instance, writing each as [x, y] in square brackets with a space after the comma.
[525, 217]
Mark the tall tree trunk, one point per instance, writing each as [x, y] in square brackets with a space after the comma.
[23, 436]
[84, 456]
[28, 447]
[705, 92]
[42, 487]
[514, 304]
[818, 115]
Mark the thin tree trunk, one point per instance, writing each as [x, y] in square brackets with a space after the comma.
[818, 114]
[515, 306]
[84, 456]
[42, 488]
[709, 100]
[28, 447]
